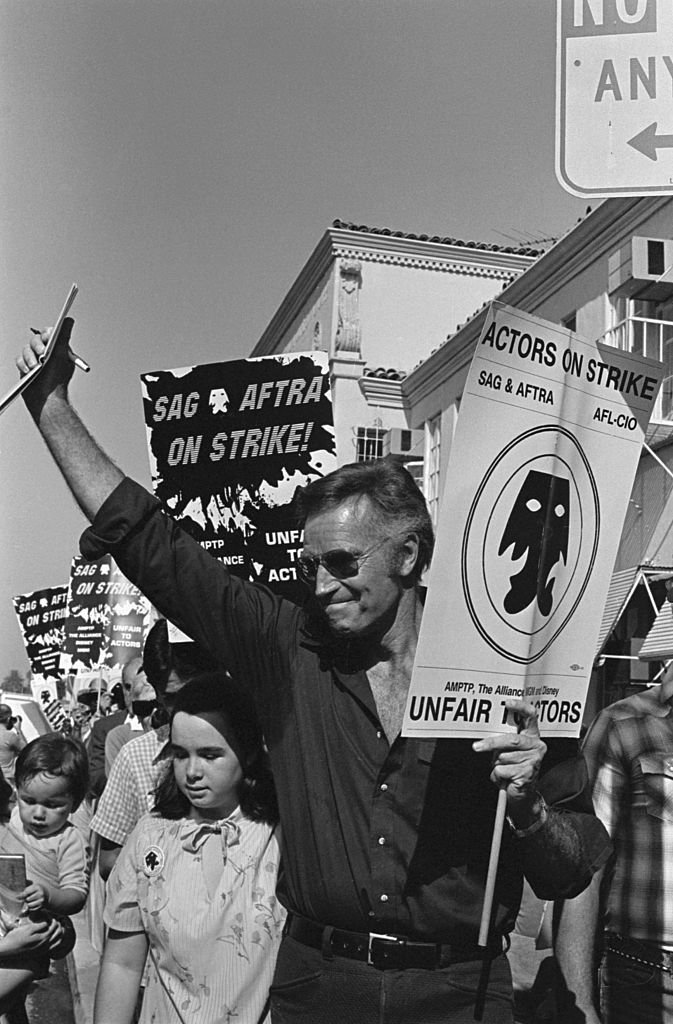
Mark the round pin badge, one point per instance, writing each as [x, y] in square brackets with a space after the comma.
[153, 860]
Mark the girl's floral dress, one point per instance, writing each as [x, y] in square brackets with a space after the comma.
[212, 954]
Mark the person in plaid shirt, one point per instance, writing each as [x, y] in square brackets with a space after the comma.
[629, 755]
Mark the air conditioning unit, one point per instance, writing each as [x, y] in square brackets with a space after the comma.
[643, 267]
[408, 443]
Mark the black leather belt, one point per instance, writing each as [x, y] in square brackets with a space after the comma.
[385, 952]
[646, 953]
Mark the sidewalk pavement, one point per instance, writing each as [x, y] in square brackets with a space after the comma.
[50, 999]
[82, 966]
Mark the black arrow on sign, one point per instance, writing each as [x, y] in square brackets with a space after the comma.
[647, 142]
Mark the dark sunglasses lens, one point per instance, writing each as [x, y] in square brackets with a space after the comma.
[143, 708]
[341, 564]
[308, 568]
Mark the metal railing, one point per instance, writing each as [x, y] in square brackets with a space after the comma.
[653, 338]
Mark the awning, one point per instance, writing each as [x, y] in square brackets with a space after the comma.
[658, 644]
[622, 585]
[659, 432]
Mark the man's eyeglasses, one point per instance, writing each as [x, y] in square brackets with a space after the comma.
[339, 563]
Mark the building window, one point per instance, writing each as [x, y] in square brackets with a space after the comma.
[431, 477]
[369, 443]
[618, 308]
[645, 326]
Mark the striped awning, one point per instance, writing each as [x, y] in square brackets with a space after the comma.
[622, 585]
[658, 644]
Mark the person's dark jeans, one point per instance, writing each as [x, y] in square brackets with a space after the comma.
[634, 993]
[310, 989]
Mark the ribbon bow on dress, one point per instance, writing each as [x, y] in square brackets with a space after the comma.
[195, 833]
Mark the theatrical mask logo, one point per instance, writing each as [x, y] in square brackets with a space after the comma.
[530, 542]
[537, 530]
[218, 400]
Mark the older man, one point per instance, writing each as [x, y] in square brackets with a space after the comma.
[132, 673]
[385, 839]
[142, 705]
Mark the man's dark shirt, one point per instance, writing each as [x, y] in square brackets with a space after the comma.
[376, 837]
[96, 749]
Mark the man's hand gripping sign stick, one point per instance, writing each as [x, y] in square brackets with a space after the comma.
[50, 338]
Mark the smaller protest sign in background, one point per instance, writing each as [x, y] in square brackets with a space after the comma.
[50, 707]
[549, 435]
[230, 443]
[42, 615]
[108, 617]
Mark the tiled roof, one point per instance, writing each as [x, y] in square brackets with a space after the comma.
[487, 246]
[384, 373]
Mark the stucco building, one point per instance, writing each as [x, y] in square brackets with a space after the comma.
[377, 301]
[400, 314]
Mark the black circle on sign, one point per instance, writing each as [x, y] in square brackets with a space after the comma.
[524, 641]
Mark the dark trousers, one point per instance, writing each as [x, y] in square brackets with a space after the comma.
[311, 989]
[635, 993]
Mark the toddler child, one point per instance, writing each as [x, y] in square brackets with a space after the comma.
[51, 779]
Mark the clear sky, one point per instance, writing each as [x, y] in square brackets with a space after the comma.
[180, 159]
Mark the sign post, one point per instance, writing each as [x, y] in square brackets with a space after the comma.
[614, 97]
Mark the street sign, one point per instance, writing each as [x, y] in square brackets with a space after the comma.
[614, 97]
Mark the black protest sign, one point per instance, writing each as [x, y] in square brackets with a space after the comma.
[108, 616]
[229, 445]
[42, 616]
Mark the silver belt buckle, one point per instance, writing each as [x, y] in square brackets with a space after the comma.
[379, 935]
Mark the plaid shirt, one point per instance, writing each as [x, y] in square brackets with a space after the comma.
[129, 792]
[629, 754]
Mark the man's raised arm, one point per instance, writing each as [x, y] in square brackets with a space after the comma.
[88, 471]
